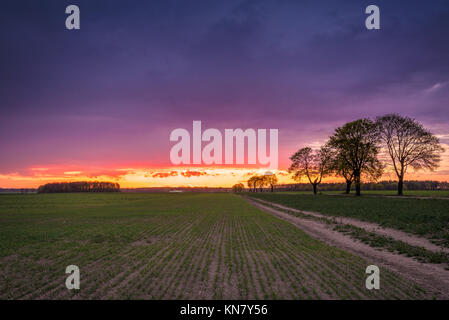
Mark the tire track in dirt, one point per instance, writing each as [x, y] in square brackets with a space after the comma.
[340, 270]
[433, 278]
[368, 226]
[306, 261]
[345, 270]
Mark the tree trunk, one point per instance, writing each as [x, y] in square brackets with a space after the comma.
[348, 186]
[314, 188]
[401, 186]
[271, 188]
[357, 188]
[357, 183]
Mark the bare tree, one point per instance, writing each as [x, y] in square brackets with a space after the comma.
[252, 183]
[262, 181]
[356, 144]
[237, 188]
[313, 164]
[409, 144]
[271, 180]
[256, 181]
[341, 168]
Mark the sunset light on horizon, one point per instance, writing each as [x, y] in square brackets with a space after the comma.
[100, 103]
[229, 158]
[206, 176]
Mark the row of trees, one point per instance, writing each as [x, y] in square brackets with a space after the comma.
[239, 187]
[260, 181]
[352, 152]
[257, 182]
[369, 185]
[82, 186]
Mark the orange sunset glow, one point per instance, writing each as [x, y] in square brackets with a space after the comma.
[140, 177]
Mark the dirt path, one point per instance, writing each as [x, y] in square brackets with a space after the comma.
[432, 277]
[370, 226]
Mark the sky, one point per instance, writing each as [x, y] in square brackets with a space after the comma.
[100, 103]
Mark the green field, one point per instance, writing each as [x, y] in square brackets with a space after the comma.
[410, 193]
[426, 217]
[171, 246]
[407, 193]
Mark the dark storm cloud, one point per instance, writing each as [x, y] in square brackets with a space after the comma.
[139, 69]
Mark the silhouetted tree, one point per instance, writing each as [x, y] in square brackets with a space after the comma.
[409, 145]
[239, 187]
[252, 183]
[341, 168]
[357, 144]
[313, 164]
[257, 181]
[261, 182]
[271, 180]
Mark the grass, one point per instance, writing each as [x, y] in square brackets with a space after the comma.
[375, 240]
[407, 193]
[425, 217]
[410, 193]
[171, 246]
[379, 241]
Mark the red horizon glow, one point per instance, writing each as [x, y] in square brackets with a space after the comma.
[99, 100]
[186, 176]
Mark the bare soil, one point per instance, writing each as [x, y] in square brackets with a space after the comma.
[432, 277]
[370, 226]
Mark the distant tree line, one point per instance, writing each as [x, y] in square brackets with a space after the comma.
[17, 190]
[379, 185]
[81, 186]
